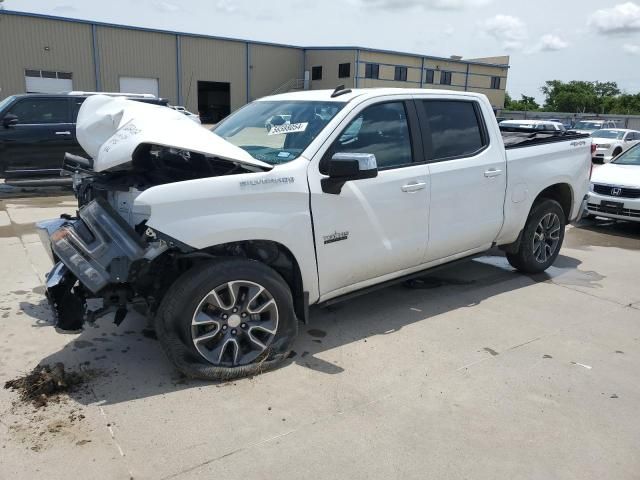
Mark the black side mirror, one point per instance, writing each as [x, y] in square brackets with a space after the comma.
[344, 167]
[9, 120]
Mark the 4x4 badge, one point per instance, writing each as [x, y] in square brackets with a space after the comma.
[335, 237]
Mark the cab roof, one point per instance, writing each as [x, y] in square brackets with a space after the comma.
[363, 93]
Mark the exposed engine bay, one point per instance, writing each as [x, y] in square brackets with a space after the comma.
[151, 165]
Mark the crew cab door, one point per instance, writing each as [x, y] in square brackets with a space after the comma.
[468, 175]
[377, 226]
[37, 143]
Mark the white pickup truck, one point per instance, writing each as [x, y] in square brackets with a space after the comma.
[226, 238]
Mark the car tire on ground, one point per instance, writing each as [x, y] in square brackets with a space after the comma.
[541, 238]
[227, 318]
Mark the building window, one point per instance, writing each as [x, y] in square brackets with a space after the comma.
[316, 73]
[445, 78]
[401, 74]
[344, 70]
[372, 70]
[495, 83]
[48, 74]
[430, 76]
[47, 81]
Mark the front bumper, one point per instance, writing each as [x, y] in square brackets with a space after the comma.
[98, 247]
[93, 256]
[603, 155]
[613, 207]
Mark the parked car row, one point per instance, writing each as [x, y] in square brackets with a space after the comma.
[38, 129]
[608, 140]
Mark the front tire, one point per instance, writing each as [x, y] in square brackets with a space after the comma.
[541, 238]
[227, 318]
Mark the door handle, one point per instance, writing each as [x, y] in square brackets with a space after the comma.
[413, 187]
[493, 173]
[66, 132]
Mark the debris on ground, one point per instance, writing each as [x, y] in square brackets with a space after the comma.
[45, 382]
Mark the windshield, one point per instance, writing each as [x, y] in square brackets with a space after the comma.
[608, 134]
[587, 126]
[277, 132]
[630, 157]
[6, 102]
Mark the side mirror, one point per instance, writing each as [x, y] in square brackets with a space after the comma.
[9, 120]
[344, 167]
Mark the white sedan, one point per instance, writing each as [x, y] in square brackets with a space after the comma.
[612, 142]
[538, 125]
[615, 188]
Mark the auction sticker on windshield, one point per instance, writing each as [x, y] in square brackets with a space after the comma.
[291, 128]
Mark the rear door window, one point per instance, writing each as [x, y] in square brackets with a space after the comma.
[454, 128]
[41, 110]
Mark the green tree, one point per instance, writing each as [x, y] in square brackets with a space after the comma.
[524, 104]
[579, 96]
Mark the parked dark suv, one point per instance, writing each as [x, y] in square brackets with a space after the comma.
[37, 129]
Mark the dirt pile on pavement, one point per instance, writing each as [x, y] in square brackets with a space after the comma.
[45, 382]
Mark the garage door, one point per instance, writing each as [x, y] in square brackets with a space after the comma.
[139, 85]
[46, 81]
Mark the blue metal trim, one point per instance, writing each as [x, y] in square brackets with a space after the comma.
[356, 69]
[466, 79]
[96, 58]
[387, 80]
[392, 65]
[427, 67]
[212, 37]
[179, 70]
[248, 68]
[415, 55]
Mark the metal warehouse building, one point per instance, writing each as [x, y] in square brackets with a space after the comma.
[207, 74]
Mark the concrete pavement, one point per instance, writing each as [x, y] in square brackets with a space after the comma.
[484, 374]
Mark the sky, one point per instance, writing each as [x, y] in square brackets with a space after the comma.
[546, 39]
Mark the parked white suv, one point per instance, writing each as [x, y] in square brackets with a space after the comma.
[227, 237]
[589, 126]
[612, 142]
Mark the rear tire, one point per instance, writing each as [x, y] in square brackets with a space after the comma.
[541, 238]
[226, 319]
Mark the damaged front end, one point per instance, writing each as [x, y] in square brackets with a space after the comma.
[107, 253]
[98, 256]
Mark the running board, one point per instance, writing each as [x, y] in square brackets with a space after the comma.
[388, 283]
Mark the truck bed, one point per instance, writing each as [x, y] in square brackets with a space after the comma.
[518, 138]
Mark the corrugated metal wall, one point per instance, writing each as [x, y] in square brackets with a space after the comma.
[272, 67]
[329, 61]
[131, 53]
[33, 43]
[213, 61]
[138, 53]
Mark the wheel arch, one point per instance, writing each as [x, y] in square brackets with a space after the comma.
[275, 255]
[561, 193]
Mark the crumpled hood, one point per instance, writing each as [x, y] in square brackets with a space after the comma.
[110, 129]
[613, 174]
